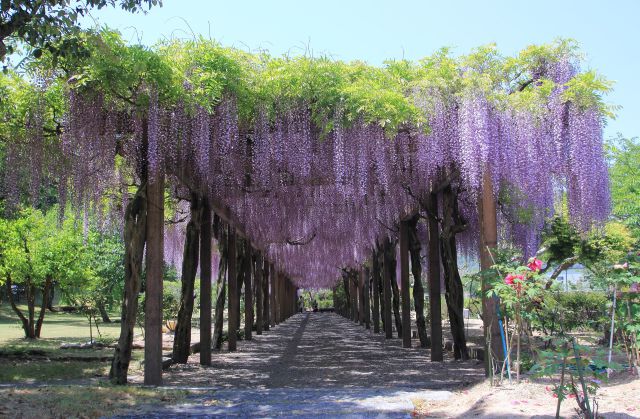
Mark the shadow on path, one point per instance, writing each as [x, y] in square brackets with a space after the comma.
[316, 365]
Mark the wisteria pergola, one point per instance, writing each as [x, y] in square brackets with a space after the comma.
[327, 172]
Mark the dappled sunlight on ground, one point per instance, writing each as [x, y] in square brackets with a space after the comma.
[323, 350]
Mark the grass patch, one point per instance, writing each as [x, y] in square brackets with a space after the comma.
[82, 401]
[41, 360]
[71, 326]
[47, 371]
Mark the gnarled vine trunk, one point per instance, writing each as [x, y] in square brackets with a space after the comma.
[390, 265]
[182, 337]
[135, 233]
[221, 288]
[454, 294]
[418, 289]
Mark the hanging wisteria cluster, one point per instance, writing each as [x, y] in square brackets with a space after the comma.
[318, 200]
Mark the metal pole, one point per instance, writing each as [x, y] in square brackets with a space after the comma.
[613, 322]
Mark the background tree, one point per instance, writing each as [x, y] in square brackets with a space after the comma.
[33, 254]
[41, 24]
[624, 170]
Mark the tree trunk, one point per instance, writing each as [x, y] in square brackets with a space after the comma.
[50, 301]
[104, 315]
[48, 283]
[23, 319]
[135, 225]
[418, 290]
[221, 288]
[31, 308]
[454, 295]
[182, 336]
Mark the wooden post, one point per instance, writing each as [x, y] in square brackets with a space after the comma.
[488, 242]
[354, 298]
[278, 297]
[361, 297]
[205, 285]
[259, 287]
[386, 291]
[272, 294]
[248, 292]
[232, 279]
[267, 298]
[435, 308]
[153, 295]
[376, 293]
[404, 282]
[367, 310]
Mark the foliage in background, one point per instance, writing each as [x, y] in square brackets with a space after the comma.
[42, 25]
[624, 172]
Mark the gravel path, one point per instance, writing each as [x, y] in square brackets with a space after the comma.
[316, 365]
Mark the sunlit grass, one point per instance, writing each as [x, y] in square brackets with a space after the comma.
[80, 402]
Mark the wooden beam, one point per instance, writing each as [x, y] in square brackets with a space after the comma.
[366, 299]
[232, 278]
[258, 268]
[272, 295]
[153, 293]
[434, 282]
[405, 285]
[376, 292]
[248, 291]
[488, 241]
[205, 285]
[386, 292]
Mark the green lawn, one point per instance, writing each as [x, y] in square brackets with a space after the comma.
[81, 401]
[41, 360]
[67, 327]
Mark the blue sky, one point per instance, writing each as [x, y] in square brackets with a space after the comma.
[374, 30]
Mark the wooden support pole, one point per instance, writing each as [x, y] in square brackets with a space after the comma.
[265, 293]
[273, 279]
[232, 278]
[376, 293]
[435, 301]
[248, 291]
[354, 298]
[367, 310]
[404, 283]
[488, 242]
[361, 297]
[153, 294]
[205, 285]
[259, 288]
[386, 292]
[278, 294]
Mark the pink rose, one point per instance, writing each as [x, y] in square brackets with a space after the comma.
[510, 279]
[535, 264]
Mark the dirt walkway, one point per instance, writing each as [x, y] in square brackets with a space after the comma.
[318, 350]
